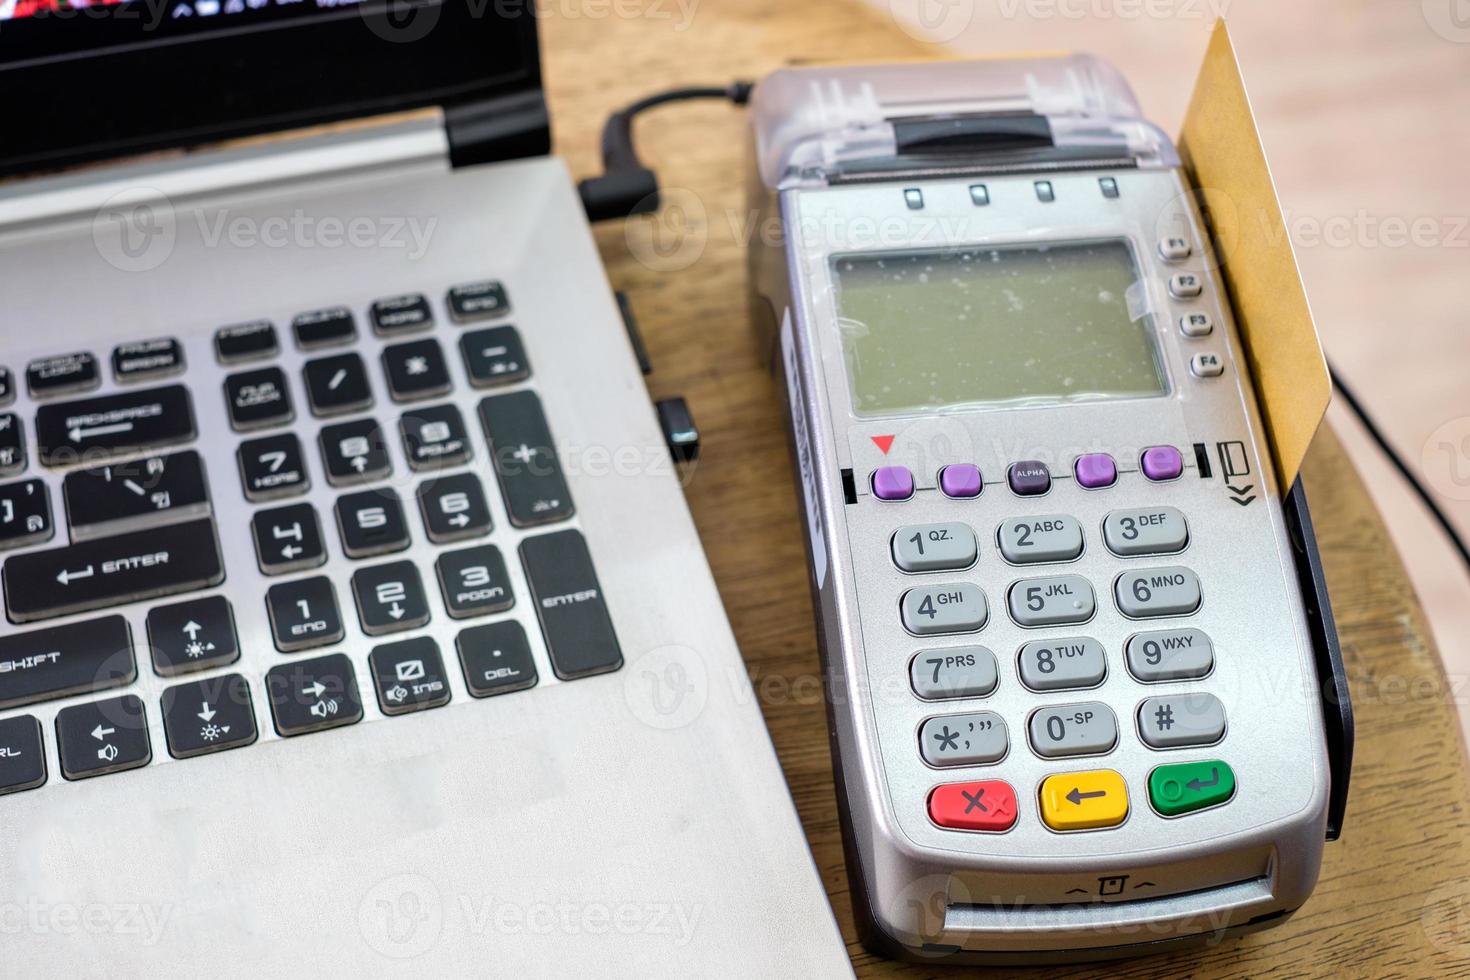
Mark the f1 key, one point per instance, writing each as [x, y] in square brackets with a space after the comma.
[76, 431]
[111, 571]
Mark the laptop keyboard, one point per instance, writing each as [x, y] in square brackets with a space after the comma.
[141, 514]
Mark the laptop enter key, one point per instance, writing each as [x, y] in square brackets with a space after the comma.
[568, 599]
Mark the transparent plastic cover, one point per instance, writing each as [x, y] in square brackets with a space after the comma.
[809, 122]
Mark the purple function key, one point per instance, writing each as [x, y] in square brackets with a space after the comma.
[1029, 478]
[1096, 470]
[1162, 463]
[960, 480]
[893, 483]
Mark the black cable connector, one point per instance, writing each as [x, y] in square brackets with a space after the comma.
[626, 186]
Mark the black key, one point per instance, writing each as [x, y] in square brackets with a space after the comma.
[401, 314]
[60, 661]
[371, 523]
[273, 467]
[474, 582]
[337, 385]
[143, 359]
[304, 614]
[111, 571]
[574, 619]
[246, 342]
[354, 452]
[103, 737]
[409, 676]
[494, 357]
[12, 444]
[324, 328]
[313, 695]
[7, 386]
[434, 437]
[25, 514]
[194, 635]
[415, 370]
[22, 756]
[126, 422]
[63, 374]
[454, 508]
[478, 301]
[138, 493]
[258, 399]
[496, 659]
[287, 539]
[525, 459]
[209, 715]
[390, 598]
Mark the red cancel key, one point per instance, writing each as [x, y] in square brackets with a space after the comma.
[988, 805]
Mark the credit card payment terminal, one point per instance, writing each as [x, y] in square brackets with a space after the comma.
[1084, 689]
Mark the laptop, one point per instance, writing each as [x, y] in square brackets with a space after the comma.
[354, 618]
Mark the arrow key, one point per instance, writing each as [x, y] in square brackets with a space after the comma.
[194, 635]
[312, 695]
[390, 598]
[209, 715]
[102, 737]
[287, 539]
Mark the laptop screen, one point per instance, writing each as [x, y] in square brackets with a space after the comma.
[112, 77]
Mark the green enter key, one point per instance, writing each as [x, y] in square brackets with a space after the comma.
[1190, 786]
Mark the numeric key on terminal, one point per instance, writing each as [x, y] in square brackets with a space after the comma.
[496, 659]
[390, 598]
[1169, 655]
[474, 582]
[287, 539]
[22, 754]
[1052, 601]
[953, 672]
[1089, 728]
[103, 737]
[454, 508]
[409, 676]
[25, 514]
[951, 607]
[371, 523]
[1150, 592]
[1067, 664]
[258, 399]
[111, 571]
[337, 385]
[124, 422]
[304, 614]
[569, 602]
[12, 444]
[1145, 531]
[354, 452]
[272, 467]
[313, 695]
[137, 494]
[434, 437]
[1050, 537]
[525, 459]
[209, 715]
[975, 739]
[73, 658]
[415, 370]
[494, 356]
[934, 547]
[195, 635]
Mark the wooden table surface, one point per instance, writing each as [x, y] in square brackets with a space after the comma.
[1394, 897]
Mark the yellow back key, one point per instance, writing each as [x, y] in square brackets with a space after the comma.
[1084, 800]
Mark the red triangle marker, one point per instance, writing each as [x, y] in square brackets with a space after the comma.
[884, 443]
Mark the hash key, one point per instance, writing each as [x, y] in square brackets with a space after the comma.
[103, 737]
[390, 598]
[313, 695]
[287, 539]
[25, 513]
[371, 523]
[207, 716]
[354, 452]
[304, 614]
